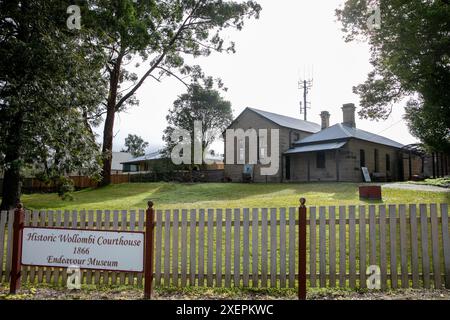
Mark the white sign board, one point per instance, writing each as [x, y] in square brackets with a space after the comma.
[366, 174]
[87, 249]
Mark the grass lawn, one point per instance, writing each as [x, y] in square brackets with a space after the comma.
[219, 195]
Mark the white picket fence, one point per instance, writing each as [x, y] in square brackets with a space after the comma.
[259, 247]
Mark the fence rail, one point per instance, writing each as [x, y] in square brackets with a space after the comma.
[259, 247]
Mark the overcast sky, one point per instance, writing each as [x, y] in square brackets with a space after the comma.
[272, 55]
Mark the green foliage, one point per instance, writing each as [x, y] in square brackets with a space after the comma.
[135, 145]
[50, 85]
[199, 104]
[410, 58]
[162, 34]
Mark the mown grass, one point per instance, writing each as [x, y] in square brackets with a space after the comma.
[217, 195]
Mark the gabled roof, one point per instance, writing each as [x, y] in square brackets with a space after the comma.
[288, 122]
[343, 132]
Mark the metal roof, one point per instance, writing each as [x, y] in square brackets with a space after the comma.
[288, 122]
[316, 147]
[151, 156]
[158, 155]
[340, 131]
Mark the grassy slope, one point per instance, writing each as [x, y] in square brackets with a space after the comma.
[216, 195]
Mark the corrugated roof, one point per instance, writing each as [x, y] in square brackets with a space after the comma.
[158, 155]
[288, 122]
[150, 156]
[340, 131]
[316, 147]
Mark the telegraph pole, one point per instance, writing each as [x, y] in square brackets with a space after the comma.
[306, 86]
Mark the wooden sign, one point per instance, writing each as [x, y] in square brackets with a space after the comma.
[86, 249]
[366, 174]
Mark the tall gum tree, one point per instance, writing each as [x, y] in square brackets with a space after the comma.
[162, 34]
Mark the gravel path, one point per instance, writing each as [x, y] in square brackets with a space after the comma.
[415, 187]
[59, 294]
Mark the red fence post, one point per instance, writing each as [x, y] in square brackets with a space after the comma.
[302, 250]
[17, 249]
[149, 246]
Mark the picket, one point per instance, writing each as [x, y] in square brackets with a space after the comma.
[292, 246]
[264, 247]
[107, 226]
[312, 247]
[446, 243]
[2, 244]
[58, 223]
[25, 269]
[372, 235]
[255, 247]
[123, 227]
[184, 246]
[332, 246]
[352, 246]
[435, 246]
[414, 246]
[424, 241]
[167, 248]
[393, 245]
[403, 247]
[246, 248]
[273, 248]
[98, 226]
[237, 247]
[210, 246]
[131, 275]
[228, 248]
[322, 248]
[219, 221]
[175, 229]
[201, 248]
[342, 246]
[362, 247]
[158, 249]
[283, 247]
[9, 244]
[192, 246]
[383, 253]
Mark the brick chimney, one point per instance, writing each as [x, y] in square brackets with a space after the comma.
[325, 115]
[348, 111]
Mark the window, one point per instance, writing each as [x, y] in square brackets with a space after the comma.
[241, 151]
[362, 158]
[320, 160]
[376, 160]
[388, 162]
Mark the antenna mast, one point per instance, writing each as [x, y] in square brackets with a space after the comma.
[306, 84]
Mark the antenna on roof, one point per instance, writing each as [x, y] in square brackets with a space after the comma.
[306, 84]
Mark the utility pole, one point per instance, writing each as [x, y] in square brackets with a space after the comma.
[305, 85]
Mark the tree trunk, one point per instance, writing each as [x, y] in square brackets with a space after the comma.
[108, 131]
[11, 181]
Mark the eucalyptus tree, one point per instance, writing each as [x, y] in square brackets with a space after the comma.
[161, 34]
[50, 85]
[410, 54]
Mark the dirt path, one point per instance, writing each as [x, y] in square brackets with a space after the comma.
[120, 294]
